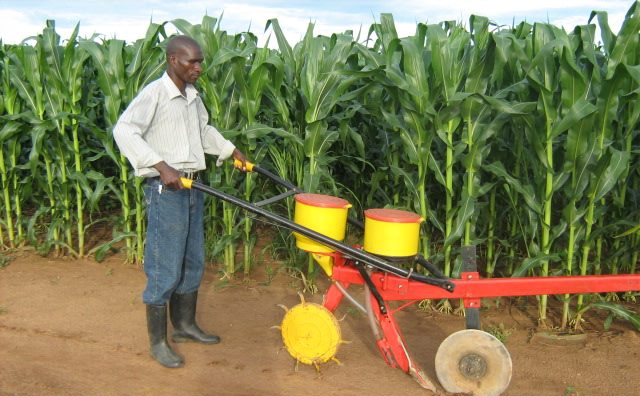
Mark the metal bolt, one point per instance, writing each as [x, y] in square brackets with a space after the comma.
[472, 366]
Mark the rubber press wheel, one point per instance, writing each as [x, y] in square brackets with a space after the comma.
[475, 362]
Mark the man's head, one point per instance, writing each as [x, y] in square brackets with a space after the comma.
[184, 60]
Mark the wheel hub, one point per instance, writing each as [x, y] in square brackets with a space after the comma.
[473, 366]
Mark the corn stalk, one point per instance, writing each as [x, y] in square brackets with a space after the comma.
[26, 74]
[609, 164]
[11, 127]
[449, 46]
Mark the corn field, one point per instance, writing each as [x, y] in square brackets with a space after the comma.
[522, 140]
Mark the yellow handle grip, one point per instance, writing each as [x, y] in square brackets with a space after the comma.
[186, 183]
[238, 164]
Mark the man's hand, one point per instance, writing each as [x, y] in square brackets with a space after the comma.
[169, 176]
[237, 155]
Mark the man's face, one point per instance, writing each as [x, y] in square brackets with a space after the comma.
[187, 64]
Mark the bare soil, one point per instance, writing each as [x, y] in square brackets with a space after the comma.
[77, 327]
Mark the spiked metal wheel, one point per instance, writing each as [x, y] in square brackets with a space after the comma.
[310, 333]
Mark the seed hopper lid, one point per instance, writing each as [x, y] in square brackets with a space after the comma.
[322, 201]
[393, 216]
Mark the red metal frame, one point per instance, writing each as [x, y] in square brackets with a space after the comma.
[470, 288]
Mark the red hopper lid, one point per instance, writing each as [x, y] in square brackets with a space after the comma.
[392, 216]
[322, 201]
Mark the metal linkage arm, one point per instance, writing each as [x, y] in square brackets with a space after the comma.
[348, 251]
[372, 288]
[430, 267]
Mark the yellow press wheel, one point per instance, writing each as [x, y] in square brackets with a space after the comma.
[310, 333]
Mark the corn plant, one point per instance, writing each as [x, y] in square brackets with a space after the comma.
[578, 147]
[322, 85]
[610, 163]
[544, 78]
[406, 111]
[511, 61]
[9, 135]
[108, 64]
[625, 191]
[266, 68]
[285, 103]
[64, 95]
[26, 73]
[287, 158]
[324, 79]
[449, 44]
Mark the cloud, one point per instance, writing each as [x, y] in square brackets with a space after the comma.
[506, 12]
[294, 20]
[499, 8]
[16, 26]
[615, 20]
[129, 20]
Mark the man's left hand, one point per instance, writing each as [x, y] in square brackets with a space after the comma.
[238, 155]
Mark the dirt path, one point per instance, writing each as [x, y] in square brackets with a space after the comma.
[78, 328]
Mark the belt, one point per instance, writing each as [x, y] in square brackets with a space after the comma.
[193, 175]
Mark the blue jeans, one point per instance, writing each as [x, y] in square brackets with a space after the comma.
[174, 249]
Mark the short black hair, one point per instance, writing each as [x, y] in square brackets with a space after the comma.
[177, 43]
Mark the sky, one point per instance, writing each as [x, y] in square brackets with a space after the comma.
[128, 20]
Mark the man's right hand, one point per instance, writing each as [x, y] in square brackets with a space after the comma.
[169, 176]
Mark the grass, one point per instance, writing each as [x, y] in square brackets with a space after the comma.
[270, 273]
[571, 391]
[425, 305]
[4, 261]
[500, 332]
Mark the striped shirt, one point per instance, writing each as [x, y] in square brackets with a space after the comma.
[161, 124]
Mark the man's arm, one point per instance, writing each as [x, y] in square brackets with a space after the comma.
[128, 132]
[170, 177]
[212, 140]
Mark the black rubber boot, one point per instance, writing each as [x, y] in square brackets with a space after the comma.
[183, 318]
[158, 346]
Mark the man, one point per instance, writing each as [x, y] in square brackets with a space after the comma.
[164, 133]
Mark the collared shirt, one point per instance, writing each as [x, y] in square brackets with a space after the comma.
[161, 124]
